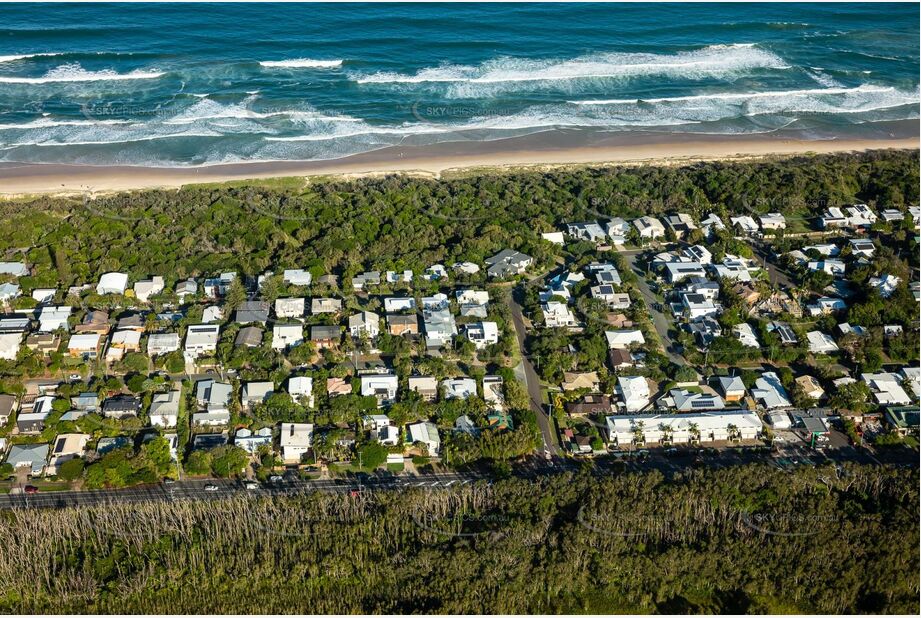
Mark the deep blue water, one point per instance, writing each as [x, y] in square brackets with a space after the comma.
[195, 84]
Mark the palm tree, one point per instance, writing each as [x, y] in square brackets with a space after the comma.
[734, 434]
[694, 430]
[638, 437]
[666, 433]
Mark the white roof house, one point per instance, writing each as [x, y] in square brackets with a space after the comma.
[912, 375]
[301, 389]
[472, 297]
[773, 221]
[624, 338]
[683, 428]
[395, 305]
[381, 386]
[746, 335]
[16, 269]
[426, 433]
[43, 295]
[482, 334]
[83, 344]
[297, 276]
[201, 339]
[212, 313]
[554, 237]
[459, 388]
[143, 290]
[836, 268]
[289, 307]
[885, 285]
[9, 344]
[649, 227]
[826, 305]
[821, 343]
[67, 446]
[557, 314]
[745, 223]
[468, 268]
[440, 327]
[295, 439]
[164, 409]
[365, 322]
[112, 283]
[634, 392]
[53, 318]
[886, 388]
[589, 231]
[162, 343]
[711, 224]
[287, 335]
[770, 392]
[254, 393]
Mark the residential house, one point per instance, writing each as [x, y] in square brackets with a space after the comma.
[364, 323]
[397, 305]
[746, 335]
[44, 344]
[507, 263]
[84, 346]
[296, 276]
[31, 456]
[732, 388]
[426, 386]
[810, 387]
[482, 334]
[143, 290]
[8, 404]
[711, 224]
[617, 229]
[94, 322]
[624, 338]
[285, 336]
[186, 288]
[770, 392]
[164, 409]
[249, 337]
[366, 279]
[634, 392]
[589, 231]
[679, 271]
[558, 315]
[886, 388]
[680, 223]
[289, 308]
[295, 440]
[773, 221]
[121, 406]
[162, 343]
[252, 312]
[325, 305]
[745, 224]
[217, 287]
[493, 393]
[649, 228]
[885, 285]
[821, 343]
[51, 319]
[251, 441]
[440, 327]
[425, 433]
[862, 246]
[301, 390]
[112, 283]
[620, 358]
[122, 342]
[324, 337]
[201, 339]
[825, 305]
[459, 388]
[575, 380]
[402, 324]
[67, 446]
[589, 404]
[382, 387]
[337, 386]
[255, 393]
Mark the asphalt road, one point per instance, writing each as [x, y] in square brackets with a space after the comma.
[531, 379]
[659, 320]
[785, 457]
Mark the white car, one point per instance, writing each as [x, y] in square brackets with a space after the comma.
[252, 485]
[210, 487]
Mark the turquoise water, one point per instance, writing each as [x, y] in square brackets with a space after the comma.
[179, 85]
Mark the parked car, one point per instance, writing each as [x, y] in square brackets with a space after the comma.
[251, 485]
[211, 487]
[30, 489]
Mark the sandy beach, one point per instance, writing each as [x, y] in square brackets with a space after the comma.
[538, 151]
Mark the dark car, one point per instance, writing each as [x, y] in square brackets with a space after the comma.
[30, 489]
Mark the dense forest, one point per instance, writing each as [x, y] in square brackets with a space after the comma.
[745, 539]
[344, 226]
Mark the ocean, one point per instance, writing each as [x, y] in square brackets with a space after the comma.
[188, 85]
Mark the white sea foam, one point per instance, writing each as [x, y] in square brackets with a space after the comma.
[743, 96]
[301, 63]
[16, 57]
[47, 123]
[76, 73]
[512, 73]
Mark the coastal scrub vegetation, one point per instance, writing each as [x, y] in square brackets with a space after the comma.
[743, 539]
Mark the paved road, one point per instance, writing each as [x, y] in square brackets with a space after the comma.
[531, 380]
[659, 320]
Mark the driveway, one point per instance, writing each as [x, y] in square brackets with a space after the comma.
[659, 320]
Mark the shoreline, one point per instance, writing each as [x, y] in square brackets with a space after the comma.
[540, 152]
